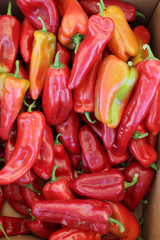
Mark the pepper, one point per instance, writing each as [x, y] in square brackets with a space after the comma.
[30, 128]
[57, 188]
[84, 165]
[46, 9]
[9, 40]
[99, 32]
[69, 233]
[83, 96]
[83, 214]
[64, 53]
[130, 223]
[135, 194]
[73, 22]
[151, 139]
[142, 150]
[109, 236]
[69, 133]
[62, 161]
[143, 37]
[42, 56]
[26, 39]
[92, 150]
[1, 198]
[45, 161]
[114, 85]
[108, 136]
[22, 71]
[107, 185]
[57, 98]
[139, 104]
[90, 6]
[13, 92]
[75, 160]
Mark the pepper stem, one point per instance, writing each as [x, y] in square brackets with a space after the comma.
[154, 166]
[9, 11]
[4, 232]
[16, 74]
[112, 220]
[44, 29]
[57, 142]
[57, 64]
[87, 115]
[100, 10]
[102, 4]
[1, 159]
[77, 39]
[32, 217]
[134, 180]
[30, 106]
[150, 53]
[30, 187]
[140, 15]
[139, 135]
[53, 176]
[139, 238]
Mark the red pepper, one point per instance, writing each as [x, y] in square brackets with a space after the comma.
[84, 95]
[46, 9]
[142, 150]
[99, 32]
[130, 223]
[92, 150]
[69, 133]
[1, 198]
[30, 128]
[107, 185]
[22, 71]
[57, 98]
[62, 161]
[109, 236]
[134, 195]
[108, 136]
[86, 214]
[26, 39]
[9, 40]
[90, 6]
[139, 104]
[13, 194]
[84, 164]
[57, 188]
[64, 53]
[13, 226]
[75, 160]
[45, 161]
[151, 139]
[69, 233]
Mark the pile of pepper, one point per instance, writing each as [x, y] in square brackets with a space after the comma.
[79, 118]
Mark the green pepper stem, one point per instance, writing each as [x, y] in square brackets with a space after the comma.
[139, 238]
[30, 187]
[112, 220]
[53, 175]
[9, 10]
[77, 39]
[102, 4]
[44, 29]
[139, 135]
[4, 232]
[32, 217]
[57, 64]
[1, 159]
[134, 180]
[16, 74]
[57, 141]
[87, 115]
[30, 106]
[100, 10]
[139, 14]
[150, 53]
[141, 221]
[154, 166]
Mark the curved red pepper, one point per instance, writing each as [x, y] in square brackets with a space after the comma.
[30, 128]
[26, 39]
[151, 139]
[69, 132]
[64, 53]
[57, 97]
[45, 161]
[9, 40]
[85, 167]
[69, 233]
[46, 9]
[75, 160]
[108, 136]
[134, 195]
[99, 32]
[92, 150]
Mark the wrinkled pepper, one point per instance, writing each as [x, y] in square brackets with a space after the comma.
[114, 85]
[139, 104]
[42, 56]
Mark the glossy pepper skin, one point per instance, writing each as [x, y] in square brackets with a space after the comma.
[134, 195]
[87, 214]
[92, 150]
[57, 97]
[69, 130]
[130, 223]
[83, 96]
[74, 20]
[114, 85]
[26, 39]
[69, 233]
[9, 41]
[139, 104]
[45, 161]
[42, 56]
[108, 136]
[99, 32]
[45, 9]
[30, 128]
[64, 53]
